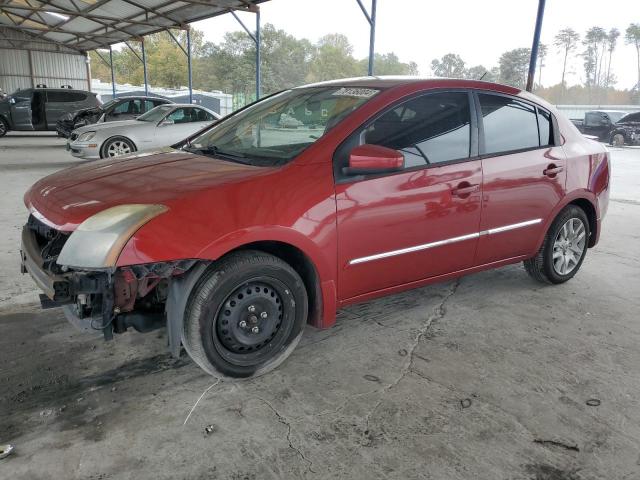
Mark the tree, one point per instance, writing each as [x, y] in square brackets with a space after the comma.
[450, 66]
[612, 40]
[333, 58]
[566, 41]
[632, 37]
[594, 40]
[478, 72]
[387, 64]
[514, 66]
[542, 54]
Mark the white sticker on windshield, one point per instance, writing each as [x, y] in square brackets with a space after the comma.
[355, 92]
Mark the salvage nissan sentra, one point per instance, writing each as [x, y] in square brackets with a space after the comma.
[309, 200]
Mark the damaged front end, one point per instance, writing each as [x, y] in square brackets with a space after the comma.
[107, 299]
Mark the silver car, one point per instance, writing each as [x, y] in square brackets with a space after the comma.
[159, 127]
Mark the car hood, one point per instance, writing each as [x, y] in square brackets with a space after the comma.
[94, 127]
[67, 198]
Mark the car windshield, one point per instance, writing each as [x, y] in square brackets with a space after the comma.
[155, 114]
[615, 116]
[277, 129]
[105, 106]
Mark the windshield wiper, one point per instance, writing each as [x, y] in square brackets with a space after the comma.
[215, 151]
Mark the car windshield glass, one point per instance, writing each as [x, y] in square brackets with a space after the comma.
[105, 106]
[615, 116]
[155, 114]
[278, 128]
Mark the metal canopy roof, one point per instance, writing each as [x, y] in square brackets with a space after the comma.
[89, 24]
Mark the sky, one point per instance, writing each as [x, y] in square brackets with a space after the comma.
[478, 30]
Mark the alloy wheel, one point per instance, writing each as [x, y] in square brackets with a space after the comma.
[618, 140]
[117, 148]
[569, 246]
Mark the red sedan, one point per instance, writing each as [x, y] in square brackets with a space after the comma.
[309, 200]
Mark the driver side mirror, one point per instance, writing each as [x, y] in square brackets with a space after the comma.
[165, 122]
[371, 159]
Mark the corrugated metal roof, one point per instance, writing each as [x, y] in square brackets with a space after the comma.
[89, 24]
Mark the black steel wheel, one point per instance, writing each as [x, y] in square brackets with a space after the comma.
[245, 315]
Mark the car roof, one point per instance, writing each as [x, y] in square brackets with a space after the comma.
[390, 81]
[146, 97]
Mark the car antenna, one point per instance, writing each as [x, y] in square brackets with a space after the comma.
[485, 72]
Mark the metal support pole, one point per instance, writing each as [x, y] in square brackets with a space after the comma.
[144, 68]
[534, 47]
[189, 65]
[372, 36]
[113, 75]
[258, 76]
[372, 31]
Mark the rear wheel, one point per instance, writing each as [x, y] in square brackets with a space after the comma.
[563, 249]
[4, 128]
[245, 315]
[114, 147]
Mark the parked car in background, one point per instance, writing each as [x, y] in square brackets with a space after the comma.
[626, 131]
[40, 108]
[252, 229]
[121, 108]
[598, 123]
[159, 127]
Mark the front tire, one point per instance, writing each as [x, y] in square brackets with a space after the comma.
[245, 315]
[617, 140]
[564, 248]
[117, 146]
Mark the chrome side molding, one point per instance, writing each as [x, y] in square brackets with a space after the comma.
[447, 241]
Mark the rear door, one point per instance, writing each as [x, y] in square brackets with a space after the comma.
[60, 102]
[524, 175]
[421, 222]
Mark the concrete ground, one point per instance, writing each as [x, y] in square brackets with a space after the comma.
[490, 377]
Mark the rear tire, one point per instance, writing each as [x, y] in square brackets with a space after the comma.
[4, 127]
[245, 315]
[563, 249]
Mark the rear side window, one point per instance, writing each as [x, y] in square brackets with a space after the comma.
[432, 128]
[64, 97]
[508, 124]
[545, 125]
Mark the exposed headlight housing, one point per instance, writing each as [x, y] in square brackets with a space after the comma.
[98, 241]
[86, 136]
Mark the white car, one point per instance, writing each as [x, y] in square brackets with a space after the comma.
[159, 127]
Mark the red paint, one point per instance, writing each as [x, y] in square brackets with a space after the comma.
[217, 206]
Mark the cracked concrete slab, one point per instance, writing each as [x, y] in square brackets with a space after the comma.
[485, 378]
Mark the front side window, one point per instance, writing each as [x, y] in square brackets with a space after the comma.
[508, 124]
[432, 128]
[277, 129]
[183, 115]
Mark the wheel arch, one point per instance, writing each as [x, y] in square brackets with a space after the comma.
[590, 210]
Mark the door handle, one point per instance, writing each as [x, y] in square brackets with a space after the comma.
[552, 170]
[464, 189]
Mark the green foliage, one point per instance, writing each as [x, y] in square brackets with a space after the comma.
[450, 65]
[514, 66]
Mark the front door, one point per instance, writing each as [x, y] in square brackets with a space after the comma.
[524, 176]
[418, 223]
[21, 110]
